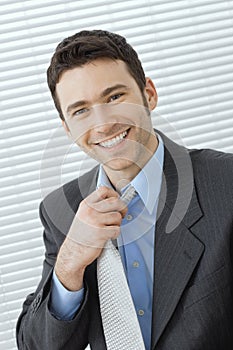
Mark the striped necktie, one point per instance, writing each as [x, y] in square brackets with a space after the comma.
[121, 327]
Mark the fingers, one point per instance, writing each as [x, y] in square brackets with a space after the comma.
[94, 234]
[98, 218]
[105, 200]
[110, 205]
[101, 193]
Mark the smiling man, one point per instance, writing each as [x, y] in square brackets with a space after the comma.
[174, 238]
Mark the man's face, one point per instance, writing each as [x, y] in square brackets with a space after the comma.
[107, 115]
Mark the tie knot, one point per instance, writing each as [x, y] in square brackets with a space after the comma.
[129, 194]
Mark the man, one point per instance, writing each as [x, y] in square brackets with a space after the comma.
[175, 236]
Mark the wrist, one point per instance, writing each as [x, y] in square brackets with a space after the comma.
[71, 280]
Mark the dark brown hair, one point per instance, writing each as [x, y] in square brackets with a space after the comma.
[86, 46]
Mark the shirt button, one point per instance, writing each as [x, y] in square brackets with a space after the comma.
[135, 264]
[140, 312]
[129, 217]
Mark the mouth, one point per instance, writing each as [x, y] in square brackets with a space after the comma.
[114, 141]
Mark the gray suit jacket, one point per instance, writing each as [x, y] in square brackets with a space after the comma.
[193, 280]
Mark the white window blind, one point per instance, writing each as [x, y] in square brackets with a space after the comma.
[185, 46]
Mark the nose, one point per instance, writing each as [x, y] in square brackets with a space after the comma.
[102, 118]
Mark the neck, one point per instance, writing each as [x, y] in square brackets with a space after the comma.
[120, 178]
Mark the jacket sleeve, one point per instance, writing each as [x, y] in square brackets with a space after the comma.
[37, 329]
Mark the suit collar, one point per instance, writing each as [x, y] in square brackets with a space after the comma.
[177, 250]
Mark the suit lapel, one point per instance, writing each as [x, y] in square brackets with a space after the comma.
[87, 182]
[177, 250]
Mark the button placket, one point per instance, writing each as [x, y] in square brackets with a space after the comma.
[141, 312]
[129, 217]
[136, 264]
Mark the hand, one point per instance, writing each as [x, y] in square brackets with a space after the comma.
[97, 220]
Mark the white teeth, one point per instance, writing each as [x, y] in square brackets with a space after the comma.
[114, 141]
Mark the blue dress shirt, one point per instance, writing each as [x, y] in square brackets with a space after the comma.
[135, 244]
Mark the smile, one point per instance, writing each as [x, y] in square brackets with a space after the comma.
[114, 141]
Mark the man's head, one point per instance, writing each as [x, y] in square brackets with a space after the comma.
[87, 46]
[104, 100]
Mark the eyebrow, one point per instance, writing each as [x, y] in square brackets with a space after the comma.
[104, 93]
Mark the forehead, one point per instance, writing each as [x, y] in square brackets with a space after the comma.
[89, 80]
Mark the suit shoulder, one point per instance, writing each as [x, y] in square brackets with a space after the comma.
[72, 189]
[212, 158]
[213, 172]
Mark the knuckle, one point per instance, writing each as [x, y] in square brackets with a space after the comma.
[89, 211]
[115, 218]
[115, 232]
[88, 207]
[110, 234]
[82, 205]
[118, 216]
[113, 200]
[102, 192]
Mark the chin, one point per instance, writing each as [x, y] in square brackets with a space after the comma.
[118, 164]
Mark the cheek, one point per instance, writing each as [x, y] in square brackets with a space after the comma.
[79, 138]
[82, 141]
[78, 132]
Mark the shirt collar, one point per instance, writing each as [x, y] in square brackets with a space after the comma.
[148, 181]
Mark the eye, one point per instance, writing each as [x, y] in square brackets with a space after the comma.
[80, 111]
[115, 97]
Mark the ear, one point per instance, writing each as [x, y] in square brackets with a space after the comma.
[66, 128]
[151, 94]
